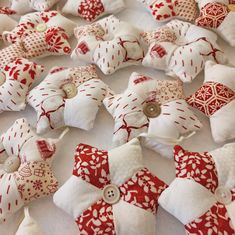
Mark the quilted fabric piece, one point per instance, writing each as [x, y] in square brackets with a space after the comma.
[38, 22]
[181, 49]
[25, 6]
[202, 196]
[117, 174]
[110, 44]
[54, 106]
[173, 121]
[15, 80]
[33, 177]
[91, 10]
[54, 41]
[165, 10]
[216, 99]
[218, 16]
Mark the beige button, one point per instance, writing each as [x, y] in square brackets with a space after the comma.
[2, 78]
[70, 90]
[231, 7]
[152, 109]
[111, 194]
[223, 195]
[42, 27]
[11, 164]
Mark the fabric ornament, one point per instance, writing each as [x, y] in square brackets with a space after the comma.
[165, 10]
[111, 192]
[218, 15]
[15, 80]
[39, 22]
[182, 49]
[28, 226]
[154, 109]
[91, 10]
[26, 173]
[109, 43]
[24, 6]
[68, 97]
[202, 196]
[216, 99]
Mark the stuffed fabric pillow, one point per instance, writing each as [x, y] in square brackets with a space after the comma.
[181, 49]
[216, 99]
[91, 10]
[39, 22]
[68, 96]
[15, 80]
[25, 6]
[109, 43]
[202, 196]
[164, 10]
[123, 194]
[26, 173]
[154, 107]
[219, 16]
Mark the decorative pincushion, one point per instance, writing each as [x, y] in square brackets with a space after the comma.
[181, 49]
[111, 192]
[202, 196]
[216, 99]
[154, 108]
[109, 43]
[68, 96]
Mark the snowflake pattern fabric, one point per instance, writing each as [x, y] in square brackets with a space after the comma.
[136, 188]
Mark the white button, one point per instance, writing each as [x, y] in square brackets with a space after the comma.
[2, 78]
[11, 164]
[41, 27]
[223, 195]
[111, 194]
[70, 90]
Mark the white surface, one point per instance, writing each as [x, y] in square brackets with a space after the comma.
[53, 220]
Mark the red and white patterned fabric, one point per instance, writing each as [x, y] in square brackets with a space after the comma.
[7, 11]
[217, 15]
[91, 10]
[202, 196]
[110, 44]
[54, 41]
[34, 177]
[38, 22]
[165, 10]
[15, 80]
[25, 6]
[181, 49]
[135, 208]
[174, 121]
[216, 99]
[54, 109]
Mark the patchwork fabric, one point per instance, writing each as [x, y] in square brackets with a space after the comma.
[134, 188]
[163, 10]
[38, 22]
[172, 120]
[110, 44]
[91, 10]
[181, 49]
[68, 96]
[15, 80]
[33, 177]
[216, 99]
[205, 185]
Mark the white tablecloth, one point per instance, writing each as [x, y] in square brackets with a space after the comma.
[54, 221]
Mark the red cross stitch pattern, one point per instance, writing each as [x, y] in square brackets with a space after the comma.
[211, 97]
[212, 15]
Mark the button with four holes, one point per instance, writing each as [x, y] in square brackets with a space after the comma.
[2, 78]
[223, 195]
[70, 90]
[152, 109]
[111, 194]
[42, 27]
[11, 164]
